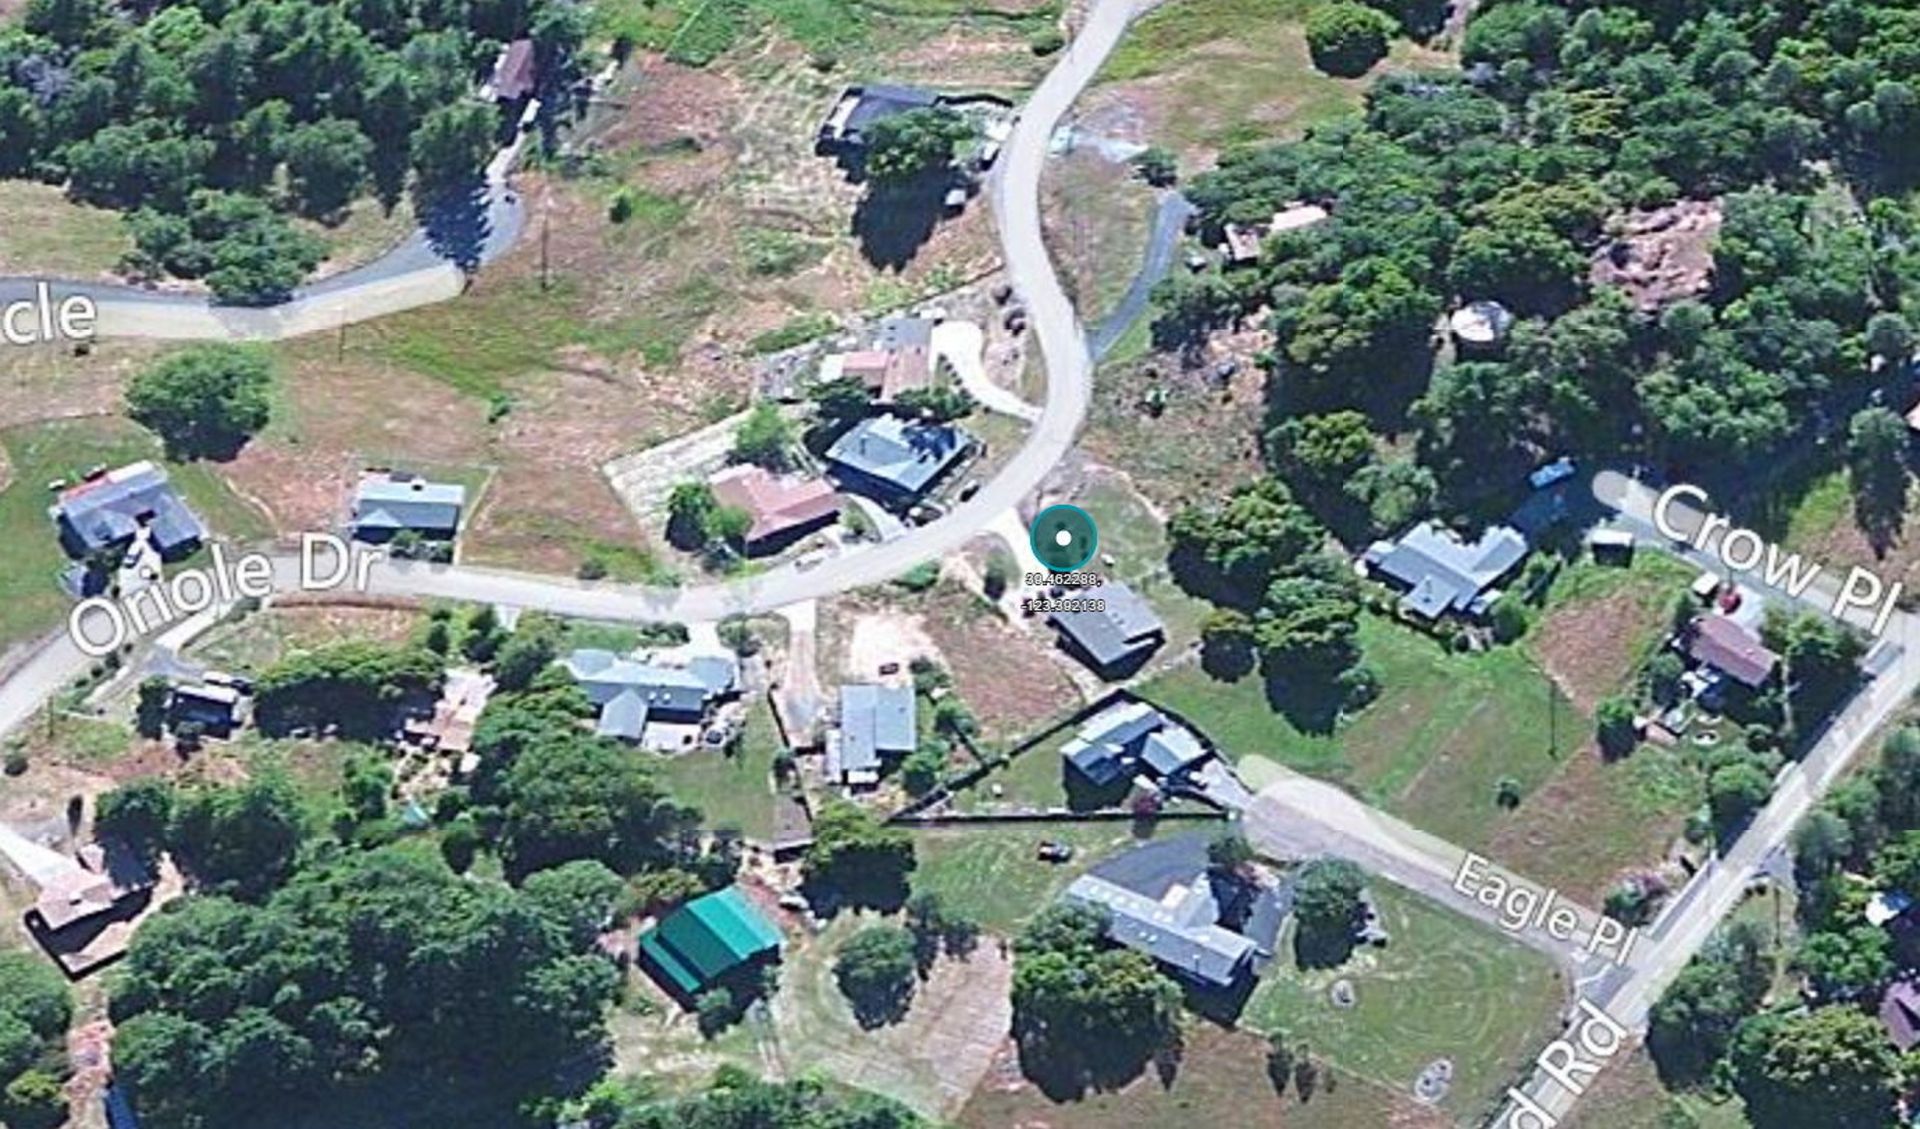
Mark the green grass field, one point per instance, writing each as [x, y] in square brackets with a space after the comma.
[1443, 987]
[990, 874]
[30, 556]
[1446, 728]
[731, 791]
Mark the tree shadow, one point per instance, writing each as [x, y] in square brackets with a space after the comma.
[893, 221]
[456, 224]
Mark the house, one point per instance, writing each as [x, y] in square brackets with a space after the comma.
[1440, 573]
[1243, 241]
[708, 941]
[1180, 931]
[388, 503]
[899, 360]
[1131, 737]
[876, 722]
[1116, 640]
[895, 461]
[85, 911]
[859, 107]
[215, 709]
[1720, 642]
[1900, 1014]
[783, 507]
[634, 696]
[515, 74]
[108, 510]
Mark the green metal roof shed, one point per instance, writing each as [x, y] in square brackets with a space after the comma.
[707, 938]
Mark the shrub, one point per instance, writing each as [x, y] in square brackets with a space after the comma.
[1047, 41]
[1347, 39]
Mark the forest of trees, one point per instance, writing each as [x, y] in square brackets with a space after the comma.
[209, 124]
[1501, 183]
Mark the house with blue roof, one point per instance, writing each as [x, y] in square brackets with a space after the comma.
[1129, 738]
[389, 503]
[876, 723]
[895, 461]
[1441, 573]
[109, 510]
[633, 694]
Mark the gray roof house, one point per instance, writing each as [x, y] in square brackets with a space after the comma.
[631, 693]
[1114, 641]
[859, 107]
[1128, 737]
[875, 722]
[386, 504]
[108, 510]
[1443, 574]
[1181, 931]
[894, 460]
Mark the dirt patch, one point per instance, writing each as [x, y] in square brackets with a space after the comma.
[887, 638]
[1583, 829]
[43, 383]
[1590, 648]
[1661, 256]
[1010, 679]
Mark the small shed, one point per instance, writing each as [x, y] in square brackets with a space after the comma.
[1481, 325]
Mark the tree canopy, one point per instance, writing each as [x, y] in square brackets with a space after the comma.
[204, 401]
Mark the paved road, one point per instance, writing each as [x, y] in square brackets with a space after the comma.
[1719, 888]
[1169, 223]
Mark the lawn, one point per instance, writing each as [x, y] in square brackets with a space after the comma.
[43, 233]
[1224, 72]
[989, 872]
[731, 791]
[30, 556]
[1444, 987]
[1220, 1079]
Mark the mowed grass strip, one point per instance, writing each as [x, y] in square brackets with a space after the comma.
[31, 601]
[1444, 987]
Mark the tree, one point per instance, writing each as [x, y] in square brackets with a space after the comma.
[907, 145]
[838, 404]
[936, 926]
[523, 656]
[452, 146]
[569, 796]
[920, 773]
[715, 1010]
[1328, 904]
[365, 781]
[150, 711]
[690, 506]
[857, 860]
[1827, 1066]
[353, 687]
[875, 971]
[241, 838]
[1157, 165]
[1877, 462]
[1346, 38]
[35, 1100]
[1845, 965]
[1890, 337]
[1735, 792]
[1693, 1023]
[138, 814]
[1662, 676]
[1322, 451]
[1081, 1005]
[1615, 727]
[327, 165]
[484, 636]
[579, 897]
[1229, 852]
[204, 401]
[1509, 618]
[765, 437]
[939, 403]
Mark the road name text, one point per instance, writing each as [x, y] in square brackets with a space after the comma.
[1522, 907]
[1570, 1062]
[39, 320]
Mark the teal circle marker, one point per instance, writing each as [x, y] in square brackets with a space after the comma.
[1064, 538]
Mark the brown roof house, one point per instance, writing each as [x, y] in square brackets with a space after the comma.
[783, 507]
[87, 911]
[1724, 645]
[515, 74]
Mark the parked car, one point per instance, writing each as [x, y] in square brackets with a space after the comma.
[1053, 850]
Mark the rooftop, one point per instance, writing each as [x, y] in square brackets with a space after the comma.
[778, 503]
[859, 107]
[1181, 930]
[112, 507]
[707, 938]
[906, 456]
[874, 721]
[1441, 571]
[1124, 629]
[1731, 649]
[390, 502]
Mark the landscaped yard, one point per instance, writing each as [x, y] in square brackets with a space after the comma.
[1444, 987]
[733, 791]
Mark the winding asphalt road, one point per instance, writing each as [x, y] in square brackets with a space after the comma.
[1069, 367]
